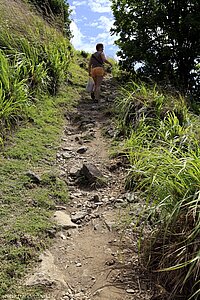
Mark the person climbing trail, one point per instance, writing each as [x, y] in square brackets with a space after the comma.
[96, 70]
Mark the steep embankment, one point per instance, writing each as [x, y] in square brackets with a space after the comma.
[34, 60]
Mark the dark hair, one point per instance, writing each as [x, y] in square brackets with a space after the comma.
[99, 46]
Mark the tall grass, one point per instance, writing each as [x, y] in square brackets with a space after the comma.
[34, 59]
[162, 143]
[13, 93]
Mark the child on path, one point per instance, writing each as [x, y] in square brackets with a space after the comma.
[96, 70]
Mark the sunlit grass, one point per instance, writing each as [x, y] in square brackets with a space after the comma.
[34, 59]
[162, 144]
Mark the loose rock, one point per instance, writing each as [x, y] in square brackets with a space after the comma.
[64, 220]
[130, 291]
[79, 265]
[74, 171]
[91, 173]
[34, 177]
[41, 280]
[66, 155]
[82, 150]
[79, 215]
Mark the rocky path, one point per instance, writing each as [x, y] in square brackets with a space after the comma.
[88, 259]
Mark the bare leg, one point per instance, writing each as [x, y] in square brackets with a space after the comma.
[98, 81]
[95, 82]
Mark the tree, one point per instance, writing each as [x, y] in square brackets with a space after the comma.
[164, 35]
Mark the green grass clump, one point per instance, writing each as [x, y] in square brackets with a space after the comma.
[13, 95]
[162, 145]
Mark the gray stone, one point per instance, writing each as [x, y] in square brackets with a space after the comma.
[34, 177]
[62, 236]
[66, 155]
[51, 232]
[82, 150]
[79, 215]
[41, 280]
[99, 203]
[130, 291]
[78, 265]
[74, 171]
[90, 126]
[67, 149]
[68, 132]
[64, 220]
[96, 227]
[60, 207]
[47, 275]
[92, 173]
[119, 200]
[131, 197]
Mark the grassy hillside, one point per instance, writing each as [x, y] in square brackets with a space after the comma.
[35, 61]
[56, 12]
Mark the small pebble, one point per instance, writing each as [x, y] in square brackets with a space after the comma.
[78, 265]
[62, 236]
[130, 291]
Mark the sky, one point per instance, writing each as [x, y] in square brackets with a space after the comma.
[91, 23]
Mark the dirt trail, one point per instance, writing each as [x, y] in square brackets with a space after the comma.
[85, 262]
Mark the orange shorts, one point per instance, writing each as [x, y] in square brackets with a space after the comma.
[98, 71]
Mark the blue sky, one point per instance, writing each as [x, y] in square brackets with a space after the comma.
[91, 23]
